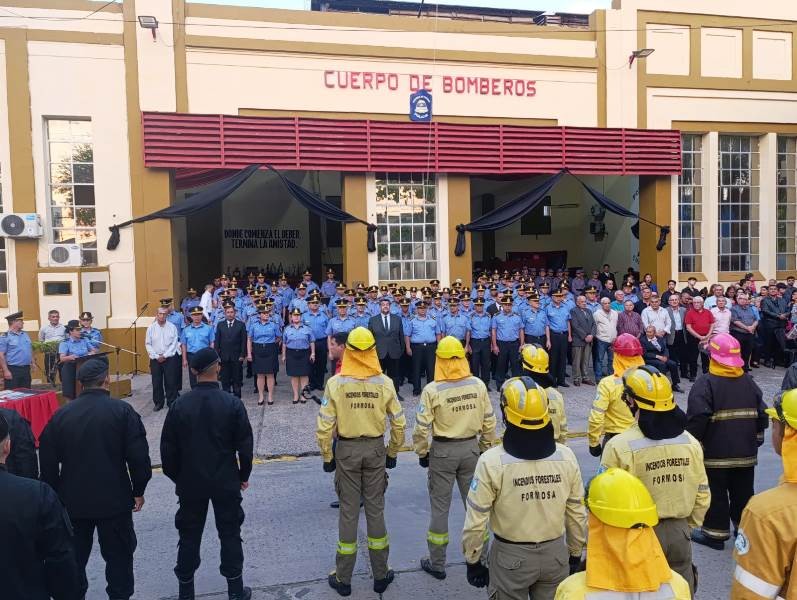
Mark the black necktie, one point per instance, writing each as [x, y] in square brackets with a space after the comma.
[385, 320]
[229, 324]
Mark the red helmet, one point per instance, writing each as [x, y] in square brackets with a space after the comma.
[627, 345]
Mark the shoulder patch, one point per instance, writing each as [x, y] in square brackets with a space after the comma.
[474, 484]
[742, 544]
[324, 401]
[420, 409]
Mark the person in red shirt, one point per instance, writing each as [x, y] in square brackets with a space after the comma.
[699, 328]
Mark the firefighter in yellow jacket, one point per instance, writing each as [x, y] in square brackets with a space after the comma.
[624, 557]
[357, 402]
[530, 490]
[667, 459]
[456, 409]
[766, 545]
[610, 415]
[535, 362]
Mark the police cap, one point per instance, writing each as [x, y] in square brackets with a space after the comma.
[204, 358]
[93, 369]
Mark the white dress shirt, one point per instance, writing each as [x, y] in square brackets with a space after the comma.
[206, 302]
[659, 318]
[162, 340]
[50, 333]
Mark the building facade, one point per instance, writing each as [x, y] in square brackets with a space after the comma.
[96, 105]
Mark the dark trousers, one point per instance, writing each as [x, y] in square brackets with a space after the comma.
[164, 379]
[319, 369]
[731, 489]
[678, 353]
[775, 343]
[390, 367]
[50, 366]
[232, 376]
[508, 361]
[190, 523]
[480, 359]
[422, 359]
[117, 544]
[558, 357]
[692, 353]
[20, 377]
[670, 367]
[602, 354]
[191, 376]
[535, 339]
[746, 342]
[405, 368]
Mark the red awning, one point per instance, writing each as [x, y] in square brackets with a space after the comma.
[199, 142]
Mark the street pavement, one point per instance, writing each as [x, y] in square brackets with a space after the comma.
[290, 531]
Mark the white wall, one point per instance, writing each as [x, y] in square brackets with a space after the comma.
[5, 182]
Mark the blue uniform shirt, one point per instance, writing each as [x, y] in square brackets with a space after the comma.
[264, 333]
[338, 325]
[311, 285]
[480, 325]
[422, 330]
[300, 303]
[507, 326]
[329, 287]
[17, 347]
[94, 336]
[216, 317]
[593, 305]
[287, 294]
[175, 318]
[373, 308]
[187, 304]
[361, 319]
[558, 316]
[455, 326]
[196, 337]
[317, 322]
[437, 312]
[72, 347]
[297, 338]
[405, 317]
[534, 322]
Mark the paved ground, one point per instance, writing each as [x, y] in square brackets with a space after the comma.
[290, 532]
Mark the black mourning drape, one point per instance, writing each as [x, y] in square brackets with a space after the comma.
[220, 190]
[526, 202]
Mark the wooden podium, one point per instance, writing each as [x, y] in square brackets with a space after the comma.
[83, 359]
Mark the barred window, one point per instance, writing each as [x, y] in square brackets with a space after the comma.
[690, 205]
[786, 204]
[406, 218]
[738, 203]
[70, 161]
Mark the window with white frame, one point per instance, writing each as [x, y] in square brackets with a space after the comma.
[70, 172]
[406, 218]
[738, 203]
[3, 264]
[690, 205]
[786, 204]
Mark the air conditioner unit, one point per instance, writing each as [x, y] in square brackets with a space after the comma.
[20, 225]
[64, 255]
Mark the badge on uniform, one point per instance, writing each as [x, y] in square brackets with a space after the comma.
[324, 401]
[742, 543]
[420, 408]
[474, 483]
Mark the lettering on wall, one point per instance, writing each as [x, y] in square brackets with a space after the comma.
[445, 84]
[263, 238]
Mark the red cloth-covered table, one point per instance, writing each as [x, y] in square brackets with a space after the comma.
[37, 409]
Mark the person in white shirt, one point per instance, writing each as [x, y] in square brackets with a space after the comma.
[606, 324]
[54, 331]
[722, 316]
[163, 346]
[716, 293]
[657, 316]
[206, 301]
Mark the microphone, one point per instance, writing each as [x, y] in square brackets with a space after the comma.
[146, 304]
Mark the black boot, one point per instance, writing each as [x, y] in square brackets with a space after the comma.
[236, 589]
[380, 585]
[186, 590]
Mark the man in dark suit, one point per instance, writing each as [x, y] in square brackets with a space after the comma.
[389, 335]
[230, 345]
[656, 354]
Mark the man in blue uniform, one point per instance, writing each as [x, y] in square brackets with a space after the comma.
[193, 338]
[16, 353]
[189, 302]
[340, 289]
[405, 362]
[454, 323]
[307, 280]
[591, 294]
[466, 303]
[329, 287]
[317, 320]
[507, 337]
[300, 301]
[558, 314]
[421, 341]
[361, 315]
[87, 332]
[260, 282]
[285, 290]
[372, 300]
[535, 322]
[480, 341]
[545, 298]
[437, 310]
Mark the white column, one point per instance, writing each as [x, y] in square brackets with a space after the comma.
[710, 226]
[370, 209]
[443, 266]
[767, 210]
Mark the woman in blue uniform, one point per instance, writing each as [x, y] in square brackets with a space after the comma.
[264, 336]
[69, 351]
[298, 353]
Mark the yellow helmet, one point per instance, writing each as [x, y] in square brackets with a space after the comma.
[784, 408]
[450, 347]
[534, 358]
[360, 338]
[619, 499]
[649, 388]
[525, 404]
